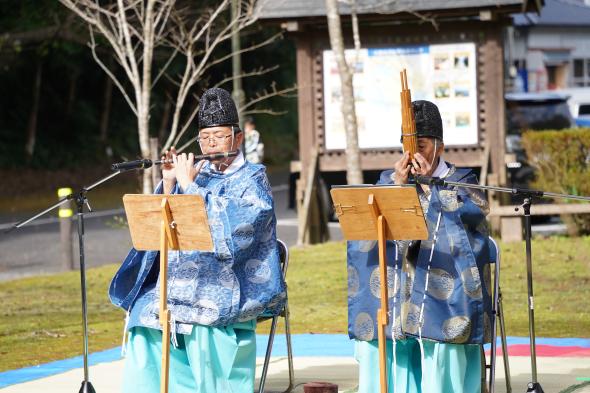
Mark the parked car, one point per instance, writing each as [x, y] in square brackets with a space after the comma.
[582, 116]
[531, 111]
[579, 104]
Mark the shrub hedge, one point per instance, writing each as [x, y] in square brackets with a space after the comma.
[562, 163]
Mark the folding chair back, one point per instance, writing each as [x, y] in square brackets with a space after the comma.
[284, 258]
[497, 316]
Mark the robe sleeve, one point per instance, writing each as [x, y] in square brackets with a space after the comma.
[473, 204]
[238, 221]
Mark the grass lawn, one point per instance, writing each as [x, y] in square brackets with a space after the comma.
[41, 315]
[107, 196]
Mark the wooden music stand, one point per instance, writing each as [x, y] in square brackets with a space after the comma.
[175, 222]
[383, 213]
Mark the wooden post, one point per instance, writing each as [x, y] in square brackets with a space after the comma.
[305, 212]
[65, 214]
[511, 229]
[382, 313]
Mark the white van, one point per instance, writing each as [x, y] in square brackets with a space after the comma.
[579, 101]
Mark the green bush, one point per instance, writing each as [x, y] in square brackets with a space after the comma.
[562, 163]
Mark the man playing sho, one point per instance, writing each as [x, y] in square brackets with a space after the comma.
[440, 305]
[214, 297]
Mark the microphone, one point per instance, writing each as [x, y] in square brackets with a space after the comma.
[145, 163]
[430, 181]
[129, 165]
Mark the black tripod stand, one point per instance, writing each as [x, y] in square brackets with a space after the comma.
[528, 196]
[80, 198]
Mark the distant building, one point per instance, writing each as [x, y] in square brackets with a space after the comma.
[550, 50]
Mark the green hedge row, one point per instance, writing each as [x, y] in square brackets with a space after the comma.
[562, 163]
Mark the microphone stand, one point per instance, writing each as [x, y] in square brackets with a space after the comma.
[528, 196]
[81, 200]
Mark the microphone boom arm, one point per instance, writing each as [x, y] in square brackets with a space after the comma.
[427, 180]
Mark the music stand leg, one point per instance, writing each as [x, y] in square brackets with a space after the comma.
[86, 387]
[382, 316]
[533, 386]
[504, 344]
[168, 239]
[164, 312]
[383, 312]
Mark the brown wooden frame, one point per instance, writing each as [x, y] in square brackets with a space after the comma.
[490, 77]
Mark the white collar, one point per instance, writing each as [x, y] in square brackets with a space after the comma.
[234, 166]
[442, 170]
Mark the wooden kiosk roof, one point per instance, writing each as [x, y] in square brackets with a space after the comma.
[282, 9]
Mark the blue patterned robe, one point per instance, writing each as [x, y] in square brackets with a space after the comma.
[457, 305]
[235, 283]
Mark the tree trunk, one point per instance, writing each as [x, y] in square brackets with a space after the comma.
[33, 114]
[144, 144]
[238, 92]
[163, 131]
[143, 107]
[107, 98]
[72, 88]
[354, 174]
[355, 31]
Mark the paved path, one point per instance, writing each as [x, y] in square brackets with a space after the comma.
[556, 375]
[35, 248]
[319, 357]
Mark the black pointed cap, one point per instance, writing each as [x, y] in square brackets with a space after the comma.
[428, 120]
[217, 108]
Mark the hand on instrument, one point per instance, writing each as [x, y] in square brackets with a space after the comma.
[168, 170]
[185, 169]
[402, 169]
[421, 166]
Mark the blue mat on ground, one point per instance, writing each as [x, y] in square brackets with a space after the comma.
[303, 345]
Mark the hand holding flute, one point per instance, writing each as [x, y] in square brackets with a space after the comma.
[179, 168]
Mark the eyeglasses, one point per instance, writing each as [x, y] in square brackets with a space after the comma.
[218, 138]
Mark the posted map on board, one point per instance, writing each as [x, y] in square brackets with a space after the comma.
[444, 74]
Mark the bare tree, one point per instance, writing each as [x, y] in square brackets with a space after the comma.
[354, 174]
[107, 98]
[133, 29]
[34, 113]
[196, 37]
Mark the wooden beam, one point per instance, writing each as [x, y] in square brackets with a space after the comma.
[305, 211]
[542, 209]
[305, 101]
[332, 161]
[491, 98]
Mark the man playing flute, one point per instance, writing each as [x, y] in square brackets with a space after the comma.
[439, 290]
[214, 297]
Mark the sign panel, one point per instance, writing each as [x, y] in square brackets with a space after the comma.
[444, 74]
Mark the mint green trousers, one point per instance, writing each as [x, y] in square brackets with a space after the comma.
[212, 360]
[448, 368]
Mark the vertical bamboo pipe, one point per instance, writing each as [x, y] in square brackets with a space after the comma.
[409, 137]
